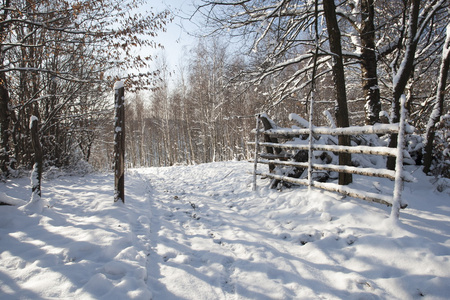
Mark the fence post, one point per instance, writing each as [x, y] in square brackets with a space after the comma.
[398, 185]
[119, 142]
[310, 142]
[255, 163]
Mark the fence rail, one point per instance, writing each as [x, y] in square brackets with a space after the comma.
[275, 157]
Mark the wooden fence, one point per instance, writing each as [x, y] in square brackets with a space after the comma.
[275, 156]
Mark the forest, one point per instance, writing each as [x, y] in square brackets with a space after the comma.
[354, 59]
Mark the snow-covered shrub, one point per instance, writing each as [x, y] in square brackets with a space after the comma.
[80, 167]
[52, 172]
[14, 171]
[77, 166]
[414, 146]
[442, 184]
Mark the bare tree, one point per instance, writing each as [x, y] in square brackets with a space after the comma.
[438, 105]
[416, 23]
[55, 56]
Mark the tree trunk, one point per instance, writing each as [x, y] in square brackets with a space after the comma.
[371, 90]
[341, 110]
[5, 117]
[5, 120]
[438, 106]
[404, 72]
[36, 176]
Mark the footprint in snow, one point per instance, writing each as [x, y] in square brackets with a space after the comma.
[227, 284]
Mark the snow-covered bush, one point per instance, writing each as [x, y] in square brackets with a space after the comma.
[414, 146]
[441, 148]
[79, 167]
[442, 184]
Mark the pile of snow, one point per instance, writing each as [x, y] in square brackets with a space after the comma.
[199, 232]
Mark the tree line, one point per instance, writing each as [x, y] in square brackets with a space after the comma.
[354, 59]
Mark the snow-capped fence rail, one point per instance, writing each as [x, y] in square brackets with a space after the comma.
[276, 156]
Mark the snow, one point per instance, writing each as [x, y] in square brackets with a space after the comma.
[200, 232]
[118, 85]
[32, 119]
[446, 48]
[35, 205]
[299, 120]
[399, 162]
[329, 118]
[352, 130]
[4, 198]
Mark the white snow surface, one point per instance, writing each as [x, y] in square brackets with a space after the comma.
[118, 85]
[199, 232]
[32, 119]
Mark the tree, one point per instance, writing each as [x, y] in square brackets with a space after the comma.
[282, 29]
[438, 105]
[5, 117]
[416, 20]
[341, 110]
[56, 55]
[383, 40]
[369, 74]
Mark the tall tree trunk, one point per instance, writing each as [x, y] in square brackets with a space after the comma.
[341, 110]
[438, 106]
[404, 72]
[371, 91]
[5, 120]
[5, 117]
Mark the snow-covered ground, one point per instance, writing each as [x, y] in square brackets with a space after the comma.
[199, 232]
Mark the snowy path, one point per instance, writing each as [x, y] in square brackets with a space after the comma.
[212, 238]
[205, 239]
[199, 232]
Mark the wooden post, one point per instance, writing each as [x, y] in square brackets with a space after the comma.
[119, 142]
[310, 142]
[255, 165]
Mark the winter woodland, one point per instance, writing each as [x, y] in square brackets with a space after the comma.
[327, 75]
[353, 59]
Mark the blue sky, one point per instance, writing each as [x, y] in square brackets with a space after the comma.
[176, 38]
